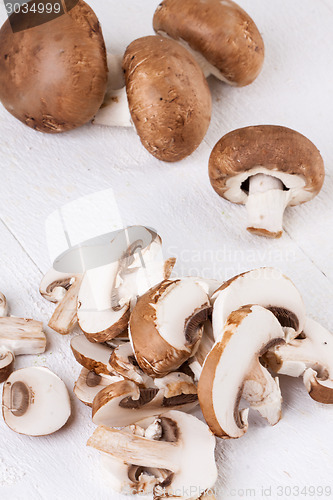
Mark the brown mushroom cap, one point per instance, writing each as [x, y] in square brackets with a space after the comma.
[53, 76]
[168, 96]
[154, 354]
[289, 155]
[219, 30]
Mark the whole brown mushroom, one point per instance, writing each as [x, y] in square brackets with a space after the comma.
[53, 76]
[168, 97]
[267, 168]
[220, 34]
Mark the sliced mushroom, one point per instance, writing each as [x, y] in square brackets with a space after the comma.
[3, 306]
[22, 336]
[220, 34]
[94, 357]
[106, 292]
[166, 325]
[122, 403]
[266, 168]
[248, 334]
[35, 402]
[131, 480]
[123, 361]
[311, 356]
[7, 359]
[64, 317]
[267, 287]
[55, 284]
[90, 383]
[184, 447]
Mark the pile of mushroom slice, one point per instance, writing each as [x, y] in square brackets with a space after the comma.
[260, 327]
[267, 168]
[169, 455]
[18, 336]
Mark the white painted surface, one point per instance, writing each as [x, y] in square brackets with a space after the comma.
[40, 173]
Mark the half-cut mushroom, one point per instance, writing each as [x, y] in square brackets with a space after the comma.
[122, 403]
[166, 325]
[267, 168]
[174, 442]
[90, 383]
[220, 34]
[248, 334]
[35, 402]
[94, 357]
[311, 356]
[267, 287]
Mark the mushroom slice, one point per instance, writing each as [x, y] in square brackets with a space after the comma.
[131, 480]
[55, 284]
[248, 334]
[64, 317]
[221, 35]
[267, 287]
[310, 356]
[107, 292]
[166, 325]
[122, 403]
[123, 361]
[3, 306]
[35, 402]
[90, 383]
[267, 168]
[6, 363]
[94, 357]
[22, 336]
[169, 442]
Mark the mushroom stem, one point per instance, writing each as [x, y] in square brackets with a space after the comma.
[266, 203]
[134, 449]
[114, 111]
[263, 393]
[22, 336]
[64, 317]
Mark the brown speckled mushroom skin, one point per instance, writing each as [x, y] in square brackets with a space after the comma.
[270, 146]
[53, 77]
[155, 356]
[221, 31]
[168, 97]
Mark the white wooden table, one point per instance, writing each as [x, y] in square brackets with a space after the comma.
[40, 173]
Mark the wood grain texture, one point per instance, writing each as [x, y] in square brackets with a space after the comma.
[206, 233]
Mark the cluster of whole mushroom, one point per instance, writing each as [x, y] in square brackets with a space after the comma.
[149, 356]
[159, 85]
